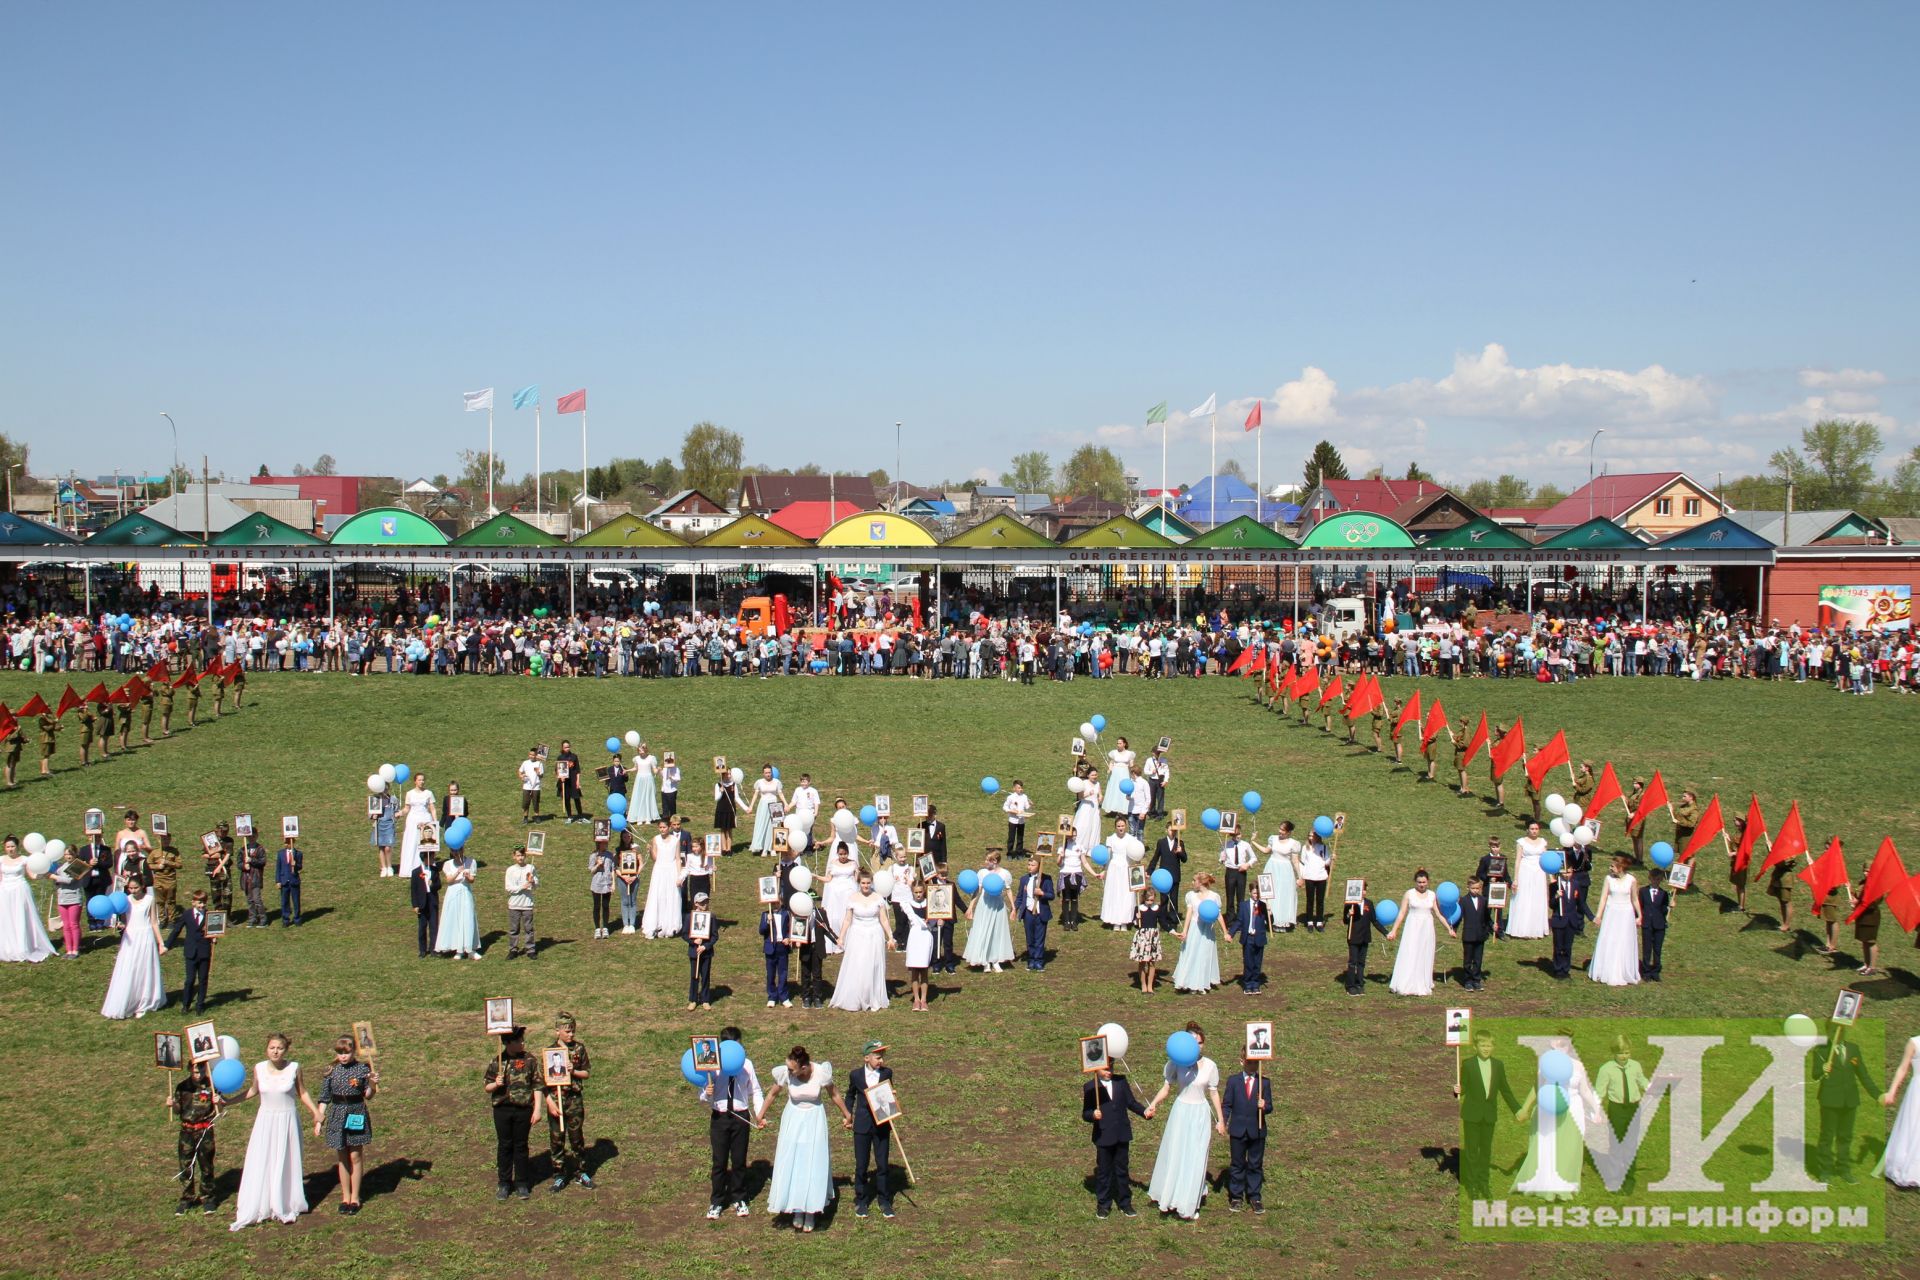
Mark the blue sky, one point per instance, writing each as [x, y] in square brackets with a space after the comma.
[1469, 235]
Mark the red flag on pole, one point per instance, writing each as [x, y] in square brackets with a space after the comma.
[1554, 753]
[34, 706]
[1904, 902]
[114, 699]
[1507, 752]
[1332, 690]
[187, 677]
[1828, 872]
[1409, 714]
[1246, 657]
[158, 671]
[1436, 724]
[1253, 419]
[1789, 842]
[68, 702]
[1711, 825]
[97, 694]
[1477, 741]
[575, 402]
[1752, 837]
[1885, 875]
[1655, 798]
[7, 721]
[1365, 698]
[1606, 791]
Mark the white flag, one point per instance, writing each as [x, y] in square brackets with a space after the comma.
[1201, 412]
[480, 401]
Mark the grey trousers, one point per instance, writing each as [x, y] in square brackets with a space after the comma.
[519, 930]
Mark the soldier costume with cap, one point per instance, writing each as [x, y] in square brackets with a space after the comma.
[196, 1106]
[513, 1081]
[568, 1128]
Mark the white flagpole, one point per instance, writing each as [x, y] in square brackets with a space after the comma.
[1163, 473]
[584, 496]
[1259, 491]
[536, 459]
[1213, 468]
[490, 507]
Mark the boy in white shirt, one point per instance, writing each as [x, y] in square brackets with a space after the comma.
[1017, 806]
[532, 770]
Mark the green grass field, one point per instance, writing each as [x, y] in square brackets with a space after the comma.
[988, 1079]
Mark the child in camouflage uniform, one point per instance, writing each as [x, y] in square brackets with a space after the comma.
[196, 1106]
[566, 1123]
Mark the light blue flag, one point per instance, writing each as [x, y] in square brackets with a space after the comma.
[526, 396]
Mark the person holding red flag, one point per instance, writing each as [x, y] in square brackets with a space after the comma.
[1474, 744]
[1788, 844]
[1825, 874]
[1430, 731]
[1510, 745]
[1750, 831]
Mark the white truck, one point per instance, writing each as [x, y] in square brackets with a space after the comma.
[1342, 616]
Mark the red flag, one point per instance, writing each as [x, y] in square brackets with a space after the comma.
[68, 702]
[1789, 842]
[187, 677]
[34, 706]
[1436, 724]
[1752, 838]
[158, 671]
[1273, 677]
[1904, 902]
[1606, 791]
[1240, 663]
[1409, 714]
[574, 403]
[114, 699]
[1304, 683]
[1828, 872]
[1253, 419]
[7, 721]
[139, 688]
[1554, 753]
[1259, 661]
[1655, 798]
[1477, 741]
[1711, 825]
[1332, 690]
[1507, 751]
[1365, 698]
[97, 694]
[1885, 875]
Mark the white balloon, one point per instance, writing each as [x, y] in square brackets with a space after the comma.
[1567, 840]
[739, 775]
[39, 863]
[800, 904]
[1087, 731]
[376, 783]
[1802, 1032]
[846, 822]
[883, 882]
[802, 879]
[1558, 826]
[797, 830]
[230, 1048]
[633, 737]
[1556, 803]
[1117, 1041]
[1585, 836]
[55, 850]
[386, 773]
[1136, 851]
[33, 842]
[1572, 814]
[1073, 786]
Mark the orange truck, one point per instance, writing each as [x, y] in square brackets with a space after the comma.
[764, 615]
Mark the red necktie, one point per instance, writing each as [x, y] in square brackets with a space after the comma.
[1249, 1086]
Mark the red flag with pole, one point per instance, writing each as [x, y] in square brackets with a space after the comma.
[1904, 902]
[1253, 418]
[1606, 791]
[573, 402]
[68, 702]
[7, 721]
[187, 677]
[158, 671]
[1789, 842]
[114, 699]
[1507, 752]
[1436, 724]
[1478, 740]
[1827, 873]
[34, 706]
[1754, 835]
[97, 694]
[1655, 798]
[1409, 714]
[1332, 690]
[1885, 875]
[1554, 753]
[1365, 698]
[1711, 825]
[1245, 659]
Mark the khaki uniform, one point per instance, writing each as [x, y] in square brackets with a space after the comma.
[1460, 739]
[193, 703]
[146, 717]
[165, 694]
[89, 727]
[164, 866]
[49, 738]
[16, 744]
[124, 715]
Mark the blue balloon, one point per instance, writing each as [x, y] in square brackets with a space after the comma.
[733, 1056]
[697, 1078]
[1386, 912]
[1182, 1049]
[616, 803]
[1251, 802]
[1209, 910]
[618, 822]
[869, 815]
[818, 665]
[968, 882]
[1662, 854]
[613, 748]
[1448, 893]
[122, 904]
[1551, 862]
[776, 771]
[1210, 819]
[457, 833]
[1452, 913]
[1163, 881]
[401, 773]
[1126, 786]
[1099, 723]
[1323, 827]
[1553, 1099]
[99, 906]
[993, 885]
[126, 624]
[1101, 855]
[1556, 1067]
[230, 1076]
[989, 784]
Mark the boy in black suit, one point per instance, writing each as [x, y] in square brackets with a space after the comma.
[1563, 919]
[1104, 1103]
[1245, 1100]
[1034, 905]
[198, 951]
[1249, 925]
[1491, 871]
[425, 888]
[1655, 901]
[1361, 924]
[774, 928]
[1476, 926]
[1483, 1081]
[871, 1142]
[813, 959]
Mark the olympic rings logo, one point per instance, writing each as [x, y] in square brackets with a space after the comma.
[1358, 533]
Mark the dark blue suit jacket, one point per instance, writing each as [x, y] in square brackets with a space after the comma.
[1239, 1110]
[1044, 896]
[286, 867]
[199, 946]
[1249, 925]
[1654, 903]
[776, 927]
[1114, 1127]
[1563, 904]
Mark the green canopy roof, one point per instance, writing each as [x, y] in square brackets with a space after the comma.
[1167, 524]
[261, 530]
[1482, 534]
[1121, 531]
[752, 531]
[1717, 534]
[387, 527]
[505, 531]
[1244, 531]
[627, 530]
[22, 531]
[1000, 531]
[141, 531]
[1597, 534]
[1356, 530]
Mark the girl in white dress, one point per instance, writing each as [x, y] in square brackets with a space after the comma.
[1527, 913]
[1119, 765]
[272, 1177]
[919, 945]
[1901, 1163]
[1116, 895]
[989, 935]
[1616, 952]
[1413, 962]
[459, 921]
[1283, 864]
[22, 937]
[1555, 1148]
[135, 990]
[802, 1180]
[644, 804]
[419, 811]
[661, 916]
[843, 866]
[766, 789]
[1179, 1180]
[1198, 968]
[866, 936]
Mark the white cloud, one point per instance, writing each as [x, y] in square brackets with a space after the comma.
[1847, 379]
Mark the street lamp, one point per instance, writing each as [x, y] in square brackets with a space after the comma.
[172, 476]
[10, 470]
[1596, 439]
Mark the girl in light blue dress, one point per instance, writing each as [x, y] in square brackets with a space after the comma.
[1180, 1166]
[766, 789]
[1119, 766]
[459, 926]
[1199, 966]
[989, 936]
[802, 1181]
[643, 806]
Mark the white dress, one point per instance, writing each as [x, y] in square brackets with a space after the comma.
[1527, 913]
[862, 984]
[22, 936]
[1119, 765]
[419, 809]
[1179, 1181]
[1555, 1148]
[842, 881]
[1116, 895]
[135, 990]
[919, 936]
[802, 1179]
[1902, 1160]
[1616, 952]
[1198, 968]
[661, 919]
[271, 1179]
[1413, 962]
[644, 804]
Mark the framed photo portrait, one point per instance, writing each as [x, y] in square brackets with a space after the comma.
[1497, 896]
[499, 1015]
[1846, 1007]
[556, 1067]
[916, 840]
[456, 806]
[1093, 1054]
[719, 764]
[242, 825]
[602, 829]
[1259, 1041]
[1137, 878]
[1079, 747]
[429, 837]
[920, 806]
[1165, 744]
[1679, 876]
[1177, 820]
[882, 1102]
[706, 1053]
[939, 902]
[630, 861]
[780, 842]
[770, 890]
[166, 1051]
[216, 924]
[800, 930]
[928, 867]
[158, 822]
[1339, 821]
[1064, 826]
[364, 1041]
[289, 827]
[883, 805]
[700, 926]
[1229, 822]
[1264, 887]
[373, 808]
[776, 810]
[713, 844]
[1045, 844]
[94, 822]
[1458, 1027]
[203, 1043]
[210, 842]
[1356, 892]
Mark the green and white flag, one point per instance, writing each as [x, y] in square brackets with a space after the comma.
[1157, 414]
